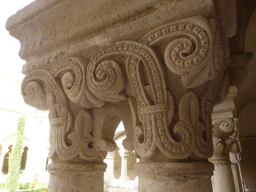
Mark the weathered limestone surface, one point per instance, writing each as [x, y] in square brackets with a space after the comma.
[76, 177]
[175, 176]
[225, 142]
[158, 66]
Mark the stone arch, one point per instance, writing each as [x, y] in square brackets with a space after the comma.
[5, 167]
[131, 159]
[7, 143]
[24, 158]
[117, 158]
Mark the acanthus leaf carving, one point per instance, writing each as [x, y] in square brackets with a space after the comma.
[189, 115]
[186, 144]
[61, 119]
[189, 51]
[72, 73]
[84, 127]
[188, 109]
[155, 106]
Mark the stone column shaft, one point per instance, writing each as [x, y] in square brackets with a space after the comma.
[225, 142]
[76, 177]
[223, 180]
[124, 173]
[174, 176]
[109, 174]
[236, 170]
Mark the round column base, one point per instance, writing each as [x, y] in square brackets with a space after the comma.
[175, 176]
[76, 177]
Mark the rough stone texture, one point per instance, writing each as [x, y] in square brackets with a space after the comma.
[120, 190]
[223, 177]
[173, 176]
[76, 178]
[225, 142]
[158, 66]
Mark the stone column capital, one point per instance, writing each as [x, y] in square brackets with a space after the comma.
[127, 80]
[225, 128]
[158, 66]
[111, 155]
[124, 153]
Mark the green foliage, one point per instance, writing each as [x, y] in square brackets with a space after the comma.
[31, 185]
[15, 157]
[23, 186]
[34, 186]
[2, 185]
[35, 190]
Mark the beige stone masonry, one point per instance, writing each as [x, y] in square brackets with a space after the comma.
[158, 66]
[227, 174]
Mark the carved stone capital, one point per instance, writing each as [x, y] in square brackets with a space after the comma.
[128, 81]
[158, 66]
[225, 128]
[71, 135]
[111, 155]
[124, 153]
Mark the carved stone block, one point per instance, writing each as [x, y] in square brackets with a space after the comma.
[158, 66]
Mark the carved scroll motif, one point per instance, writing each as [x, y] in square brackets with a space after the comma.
[230, 142]
[218, 146]
[189, 114]
[154, 105]
[193, 50]
[105, 80]
[72, 72]
[190, 47]
[226, 124]
[222, 148]
[61, 119]
[138, 52]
